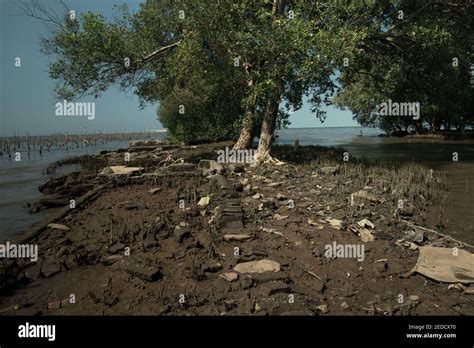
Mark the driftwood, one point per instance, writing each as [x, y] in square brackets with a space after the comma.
[411, 224]
[36, 230]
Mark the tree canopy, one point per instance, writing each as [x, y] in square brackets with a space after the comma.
[220, 68]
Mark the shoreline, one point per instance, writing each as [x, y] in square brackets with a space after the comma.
[175, 249]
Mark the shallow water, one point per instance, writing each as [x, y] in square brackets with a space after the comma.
[457, 212]
[19, 181]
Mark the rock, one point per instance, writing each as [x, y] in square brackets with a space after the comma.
[246, 282]
[50, 268]
[154, 190]
[116, 248]
[54, 305]
[204, 201]
[274, 287]
[281, 197]
[121, 170]
[274, 184]
[62, 251]
[229, 215]
[236, 168]
[219, 183]
[258, 266]
[414, 298]
[344, 305]
[211, 267]
[366, 223]
[58, 227]
[265, 277]
[257, 196]
[230, 276]
[111, 259]
[137, 269]
[241, 237]
[210, 167]
[327, 170]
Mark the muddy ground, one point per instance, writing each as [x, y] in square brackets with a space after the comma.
[145, 246]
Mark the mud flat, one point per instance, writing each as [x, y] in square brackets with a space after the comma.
[161, 229]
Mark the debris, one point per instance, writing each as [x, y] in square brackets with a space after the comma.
[204, 201]
[364, 234]
[313, 223]
[241, 237]
[315, 275]
[415, 235]
[272, 230]
[279, 217]
[449, 265]
[365, 195]
[335, 223]
[457, 286]
[230, 276]
[323, 308]
[154, 190]
[260, 266]
[366, 223]
[58, 227]
[121, 170]
[257, 196]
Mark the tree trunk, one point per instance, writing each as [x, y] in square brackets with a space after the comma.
[269, 120]
[271, 112]
[247, 132]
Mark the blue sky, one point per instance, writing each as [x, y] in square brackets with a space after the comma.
[27, 101]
